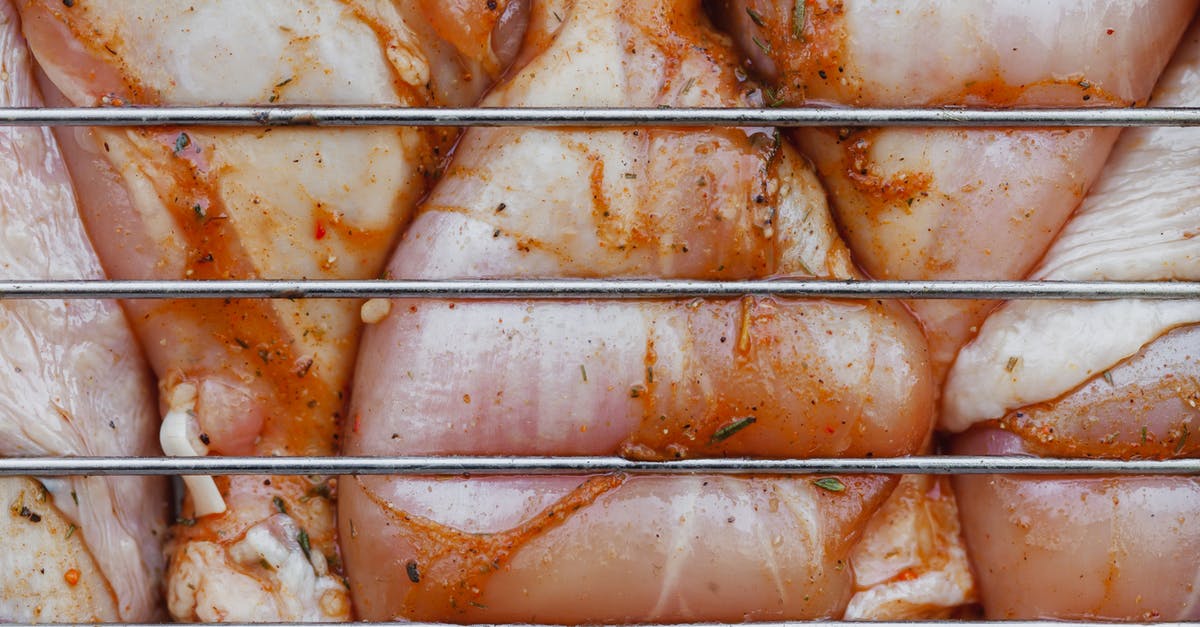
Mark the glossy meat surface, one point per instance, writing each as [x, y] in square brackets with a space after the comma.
[256, 377]
[1138, 224]
[645, 379]
[73, 382]
[1102, 379]
[1104, 548]
[955, 203]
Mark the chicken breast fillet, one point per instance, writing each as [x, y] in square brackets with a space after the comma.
[73, 382]
[755, 376]
[242, 377]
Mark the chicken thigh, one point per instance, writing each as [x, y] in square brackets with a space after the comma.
[652, 379]
[73, 382]
[241, 377]
[1111, 379]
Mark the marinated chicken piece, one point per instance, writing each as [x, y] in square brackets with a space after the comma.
[955, 203]
[1096, 379]
[1100, 548]
[912, 561]
[242, 377]
[648, 379]
[73, 382]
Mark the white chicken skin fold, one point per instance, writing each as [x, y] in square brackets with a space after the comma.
[244, 377]
[1096, 379]
[73, 382]
[955, 203]
[665, 379]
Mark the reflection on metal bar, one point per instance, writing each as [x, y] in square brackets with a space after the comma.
[571, 288]
[775, 623]
[451, 466]
[394, 116]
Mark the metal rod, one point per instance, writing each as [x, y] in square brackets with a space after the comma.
[817, 623]
[399, 116]
[571, 288]
[451, 466]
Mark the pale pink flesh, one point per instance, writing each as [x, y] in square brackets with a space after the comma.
[956, 203]
[756, 376]
[73, 382]
[215, 203]
[1146, 406]
[1087, 549]
[654, 549]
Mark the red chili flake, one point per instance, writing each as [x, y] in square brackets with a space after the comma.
[1110, 31]
[357, 422]
[320, 231]
[907, 574]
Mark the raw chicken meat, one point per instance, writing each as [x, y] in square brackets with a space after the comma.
[955, 203]
[254, 377]
[73, 382]
[1096, 379]
[754, 376]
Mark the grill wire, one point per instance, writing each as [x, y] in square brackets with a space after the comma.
[342, 116]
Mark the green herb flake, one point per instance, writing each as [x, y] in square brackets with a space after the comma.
[724, 433]
[1143, 435]
[182, 142]
[305, 546]
[649, 374]
[798, 17]
[70, 531]
[75, 497]
[636, 391]
[691, 82]
[279, 505]
[773, 99]
[1012, 363]
[199, 211]
[831, 484]
[630, 175]
[583, 372]
[186, 522]
[1182, 440]
[285, 81]
[754, 15]
[762, 45]
[1108, 377]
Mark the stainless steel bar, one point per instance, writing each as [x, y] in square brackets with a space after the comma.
[570, 288]
[815, 623]
[934, 465]
[393, 116]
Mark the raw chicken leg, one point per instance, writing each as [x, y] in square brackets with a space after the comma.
[1096, 379]
[956, 203]
[255, 377]
[646, 379]
[72, 382]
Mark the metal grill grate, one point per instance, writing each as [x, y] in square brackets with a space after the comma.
[560, 289]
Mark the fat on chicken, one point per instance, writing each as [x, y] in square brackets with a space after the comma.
[1114, 380]
[955, 203]
[646, 379]
[243, 377]
[73, 382]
